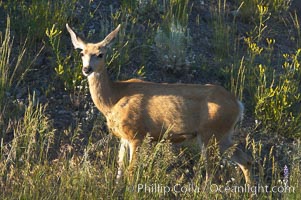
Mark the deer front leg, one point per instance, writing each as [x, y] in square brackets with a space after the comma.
[133, 147]
[123, 151]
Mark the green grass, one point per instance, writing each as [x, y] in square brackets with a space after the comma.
[31, 18]
[39, 160]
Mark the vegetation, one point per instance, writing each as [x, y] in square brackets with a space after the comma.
[54, 143]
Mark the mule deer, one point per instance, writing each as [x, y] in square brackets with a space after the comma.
[135, 108]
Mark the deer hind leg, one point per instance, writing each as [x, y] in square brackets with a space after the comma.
[243, 160]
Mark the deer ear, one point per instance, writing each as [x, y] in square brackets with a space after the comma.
[110, 37]
[76, 41]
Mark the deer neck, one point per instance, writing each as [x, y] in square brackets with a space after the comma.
[100, 87]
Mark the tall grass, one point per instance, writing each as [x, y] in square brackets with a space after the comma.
[163, 173]
[8, 64]
[221, 30]
[12, 71]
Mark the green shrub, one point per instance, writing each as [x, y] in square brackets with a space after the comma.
[71, 76]
[277, 99]
[249, 8]
[172, 46]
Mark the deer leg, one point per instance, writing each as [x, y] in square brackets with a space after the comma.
[133, 155]
[204, 154]
[243, 160]
[123, 150]
[207, 152]
[212, 158]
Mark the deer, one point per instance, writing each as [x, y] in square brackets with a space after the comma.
[135, 108]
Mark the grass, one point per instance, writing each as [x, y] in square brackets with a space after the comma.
[247, 49]
[31, 18]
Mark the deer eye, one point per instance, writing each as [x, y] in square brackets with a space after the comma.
[81, 54]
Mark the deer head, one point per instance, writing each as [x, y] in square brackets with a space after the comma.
[93, 54]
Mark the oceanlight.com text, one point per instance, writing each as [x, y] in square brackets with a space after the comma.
[254, 189]
[213, 188]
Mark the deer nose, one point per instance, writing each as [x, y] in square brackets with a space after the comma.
[87, 70]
